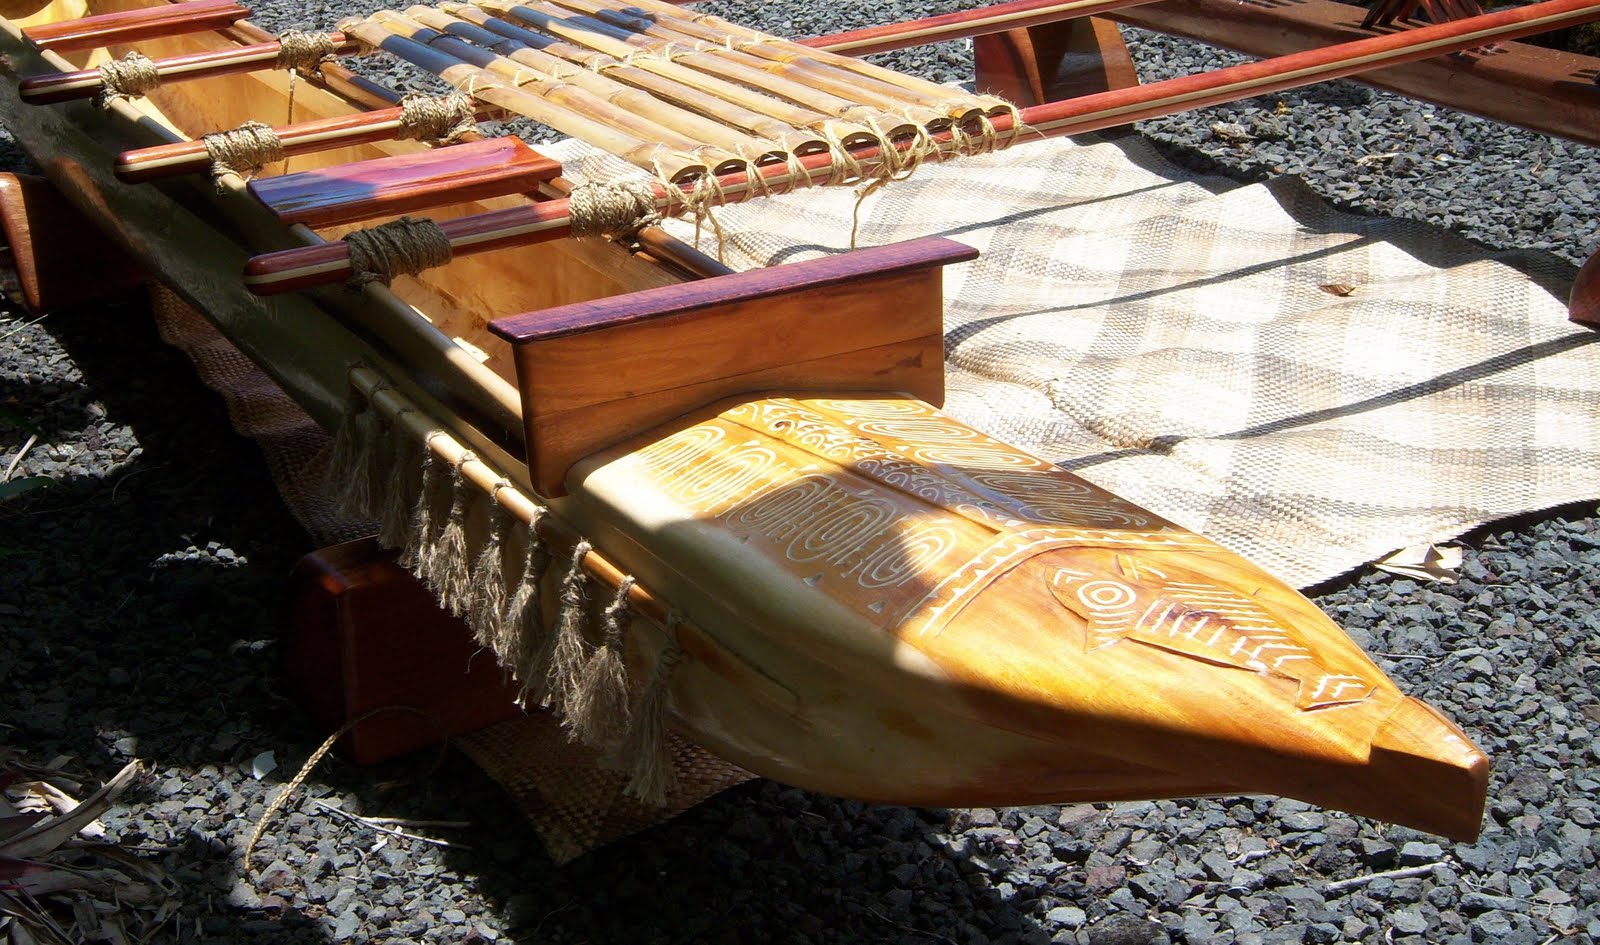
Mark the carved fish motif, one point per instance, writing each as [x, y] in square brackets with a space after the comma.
[1134, 600]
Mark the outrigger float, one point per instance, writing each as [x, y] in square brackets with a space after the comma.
[667, 494]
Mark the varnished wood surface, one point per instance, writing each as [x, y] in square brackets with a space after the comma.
[134, 25]
[1054, 61]
[982, 21]
[1544, 90]
[48, 240]
[595, 373]
[958, 619]
[66, 86]
[394, 185]
[1583, 305]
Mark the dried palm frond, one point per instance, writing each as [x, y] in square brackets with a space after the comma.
[60, 882]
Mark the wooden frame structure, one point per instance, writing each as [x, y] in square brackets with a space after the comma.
[835, 584]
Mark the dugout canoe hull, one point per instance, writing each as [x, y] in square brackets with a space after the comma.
[998, 632]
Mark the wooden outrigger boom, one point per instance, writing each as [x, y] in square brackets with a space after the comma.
[837, 584]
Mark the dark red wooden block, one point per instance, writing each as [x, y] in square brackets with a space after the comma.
[366, 635]
[394, 185]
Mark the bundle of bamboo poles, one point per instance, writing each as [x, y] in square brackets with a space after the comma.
[683, 95]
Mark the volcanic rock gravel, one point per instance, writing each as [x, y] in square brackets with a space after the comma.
[144, 590]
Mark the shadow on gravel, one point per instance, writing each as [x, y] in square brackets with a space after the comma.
[145, 593]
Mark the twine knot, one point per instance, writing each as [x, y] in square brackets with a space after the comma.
[299, 49]
[430, 118]
[129, 77]
[244, 150]
[612, 210]
[400, 247]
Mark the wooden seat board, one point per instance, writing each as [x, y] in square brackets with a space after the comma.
[393, 185]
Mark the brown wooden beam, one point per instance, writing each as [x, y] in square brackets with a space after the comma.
[1543, 90]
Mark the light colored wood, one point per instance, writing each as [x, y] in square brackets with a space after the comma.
[882, 602]
[596, 373]
[1052, 640]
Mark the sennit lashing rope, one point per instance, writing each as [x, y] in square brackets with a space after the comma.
[129, 77]
[440, 118]
[299, 49]
[244, 151]
[405, 246]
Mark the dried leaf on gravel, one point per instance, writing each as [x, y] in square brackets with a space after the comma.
[59, 882]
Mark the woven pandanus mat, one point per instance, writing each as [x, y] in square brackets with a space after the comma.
[571, 798]
[1311, 388]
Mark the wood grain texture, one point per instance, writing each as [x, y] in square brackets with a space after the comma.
[1544, 90]
[982, 21]
[595, 373]
[49, 240]
[1583, 305]
[131, 26]
[86, 83]
[958, 619]
[364, 634]
[394, 185]
[1055, 61]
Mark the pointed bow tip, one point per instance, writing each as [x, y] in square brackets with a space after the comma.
[1429, 772]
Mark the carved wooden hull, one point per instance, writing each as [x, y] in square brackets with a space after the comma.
[884, 603]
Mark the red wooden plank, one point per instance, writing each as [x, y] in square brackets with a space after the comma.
[389, 186]
[167, 19]
[878, 261]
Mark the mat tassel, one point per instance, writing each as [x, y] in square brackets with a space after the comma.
[597, 712]
[394, 512]
[450, 571]
[423, 534]
[349, 461]
[651, 775]
[568, 648]
[488, 593]
[523, 631]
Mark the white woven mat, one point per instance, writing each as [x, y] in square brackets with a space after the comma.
[1169, 337]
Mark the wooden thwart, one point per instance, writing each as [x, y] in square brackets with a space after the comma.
[130, 26]
[391, 186]
[595, 373]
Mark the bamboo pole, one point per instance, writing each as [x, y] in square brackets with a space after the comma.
[783, 51]
[672, 32]
[512, 59]
[734, 105]
[625, 45]
[320, 265]
[641, 144]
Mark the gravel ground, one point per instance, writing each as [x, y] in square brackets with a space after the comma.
[144, 590]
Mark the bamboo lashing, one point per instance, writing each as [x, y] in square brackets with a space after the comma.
[515, 61]
[642, 143]
[317, 265]
[733, 104]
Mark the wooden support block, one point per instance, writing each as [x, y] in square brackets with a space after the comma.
[367, 635]
[1055, 61]
[594, 373]
[128, 26]
[58, 259]
[1583, 306]
[365, 190]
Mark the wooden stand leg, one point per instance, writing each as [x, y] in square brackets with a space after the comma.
[365, 635]
[54, 257]
[1054, 62]
[1584, 305]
